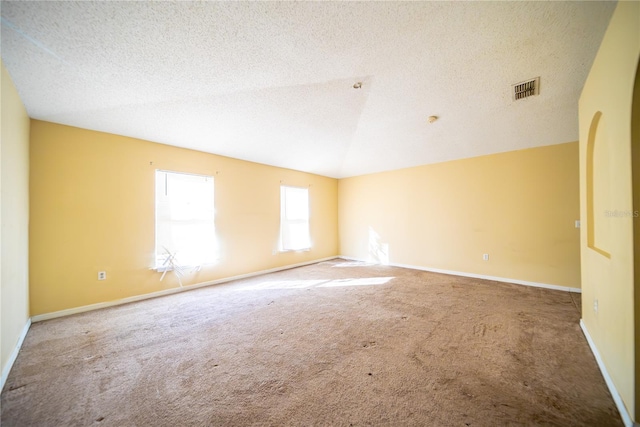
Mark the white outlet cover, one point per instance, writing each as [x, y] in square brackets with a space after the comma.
[102, 275]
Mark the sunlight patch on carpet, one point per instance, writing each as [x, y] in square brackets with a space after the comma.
[354, 264]
[367, 281]
[323, 283]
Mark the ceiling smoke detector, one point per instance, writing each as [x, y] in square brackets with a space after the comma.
[525, 89]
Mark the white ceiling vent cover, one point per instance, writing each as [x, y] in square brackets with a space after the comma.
[526, 89]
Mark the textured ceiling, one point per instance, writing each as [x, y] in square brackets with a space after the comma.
[273, 82]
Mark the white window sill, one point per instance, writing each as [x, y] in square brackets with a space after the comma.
[282, 251]
[163, 269]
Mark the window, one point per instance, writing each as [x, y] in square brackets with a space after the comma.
[185, 229]
[294, 218]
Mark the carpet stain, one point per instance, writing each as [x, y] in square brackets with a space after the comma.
[480, 330]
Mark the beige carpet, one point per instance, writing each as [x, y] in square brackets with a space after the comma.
[335, 343]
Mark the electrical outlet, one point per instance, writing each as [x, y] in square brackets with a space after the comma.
[595, 305]
[485, 257]
[577, 223]
[102, 275]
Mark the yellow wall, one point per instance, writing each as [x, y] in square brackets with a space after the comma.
[607, 268]
[92, 209]
[519, 207]
[14, 217]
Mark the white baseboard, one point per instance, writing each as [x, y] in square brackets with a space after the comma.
[84, 308]
[14, 354]
[626, 418]
[479, 276]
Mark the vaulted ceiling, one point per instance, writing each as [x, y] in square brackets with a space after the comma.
[273, 82]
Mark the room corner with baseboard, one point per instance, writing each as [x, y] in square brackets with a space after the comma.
[14, 219]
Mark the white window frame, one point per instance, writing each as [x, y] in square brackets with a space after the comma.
[288, 242]
[170, 252]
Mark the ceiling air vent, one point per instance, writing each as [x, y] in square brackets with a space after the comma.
[526, 89]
